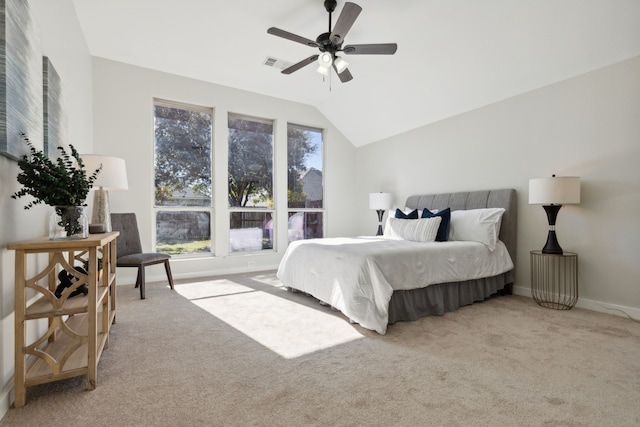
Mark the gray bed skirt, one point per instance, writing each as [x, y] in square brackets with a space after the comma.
[436, 300]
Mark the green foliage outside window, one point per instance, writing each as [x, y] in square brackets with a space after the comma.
[182, 157]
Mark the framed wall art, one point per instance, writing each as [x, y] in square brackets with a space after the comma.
[54, 119]
[21, 74]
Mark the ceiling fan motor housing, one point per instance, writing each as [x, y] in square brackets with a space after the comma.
[325, 45]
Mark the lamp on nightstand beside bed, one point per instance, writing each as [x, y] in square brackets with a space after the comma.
[552, 193]
[380, 202]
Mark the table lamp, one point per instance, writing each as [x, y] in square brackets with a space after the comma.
[552, 193]
[380, 202]
[113, 176]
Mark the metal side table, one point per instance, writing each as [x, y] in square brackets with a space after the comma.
[554, 279]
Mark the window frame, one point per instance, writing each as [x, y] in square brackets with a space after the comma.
[211, 207]
[254, 209]
[323, 209]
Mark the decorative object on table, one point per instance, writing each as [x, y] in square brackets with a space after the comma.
[113, 176]
[67, 280]
[63, 185]
[85, 263]
[380, 202]
[68, 223]
[97, 228]
[552, 193]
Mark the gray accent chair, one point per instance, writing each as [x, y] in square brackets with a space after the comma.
[129, 249]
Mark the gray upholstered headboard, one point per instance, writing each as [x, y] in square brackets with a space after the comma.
[505, 198]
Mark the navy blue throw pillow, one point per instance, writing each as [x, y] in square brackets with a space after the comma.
[443, 229]
[411, 215]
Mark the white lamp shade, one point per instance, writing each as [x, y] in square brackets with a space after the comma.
[325, 59]
[557, 190]
[381, 201]
[113, 175]
[323, 70]
[324, 63]
[341, 64]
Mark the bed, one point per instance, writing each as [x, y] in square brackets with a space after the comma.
[377, 281]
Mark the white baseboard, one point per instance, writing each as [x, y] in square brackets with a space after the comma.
[587, 304]
[5, 399]
[603, 307]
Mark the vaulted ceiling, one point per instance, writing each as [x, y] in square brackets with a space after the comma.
[453, 55]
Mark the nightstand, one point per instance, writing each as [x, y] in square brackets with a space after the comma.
[554, 279]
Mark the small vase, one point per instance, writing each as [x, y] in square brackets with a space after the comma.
[68, 223]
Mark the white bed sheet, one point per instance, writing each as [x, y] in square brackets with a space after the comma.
[358, 275]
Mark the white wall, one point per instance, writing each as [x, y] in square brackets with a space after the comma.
[63, 43]
[123, 123]
[587, 126]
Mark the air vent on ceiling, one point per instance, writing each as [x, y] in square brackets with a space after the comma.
[280, 64]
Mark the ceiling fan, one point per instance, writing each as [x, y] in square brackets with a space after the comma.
[330, 43]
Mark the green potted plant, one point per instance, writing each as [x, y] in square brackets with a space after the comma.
[62, 184]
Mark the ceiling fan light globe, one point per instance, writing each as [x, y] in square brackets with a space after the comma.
[323, 70]
[325, 59]
[341, 64]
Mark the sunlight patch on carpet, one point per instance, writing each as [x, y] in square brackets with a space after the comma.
[283, 326]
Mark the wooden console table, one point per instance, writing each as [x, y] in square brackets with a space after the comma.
[78, 327]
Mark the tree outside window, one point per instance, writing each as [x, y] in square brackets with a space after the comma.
[183, 178]
[305, 182]
[250, 177]
[182, 165]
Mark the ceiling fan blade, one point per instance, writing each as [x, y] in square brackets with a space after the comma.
[371, 49]
[345, 76]
[290, 36]
[296, 67]
[347, 17]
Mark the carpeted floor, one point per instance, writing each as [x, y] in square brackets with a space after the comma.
[241, 351]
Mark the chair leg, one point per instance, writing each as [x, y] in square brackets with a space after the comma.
[141, 277]
[138, 277]
[167, 268]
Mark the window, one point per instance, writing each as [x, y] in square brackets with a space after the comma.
[250, 177]
[305, 182]
[182, 167]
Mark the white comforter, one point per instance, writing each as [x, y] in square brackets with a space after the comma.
[358, 275]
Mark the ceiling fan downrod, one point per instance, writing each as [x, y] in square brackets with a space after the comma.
[330, 6]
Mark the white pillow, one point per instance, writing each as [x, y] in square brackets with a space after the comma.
[477, 225]
[415, 230]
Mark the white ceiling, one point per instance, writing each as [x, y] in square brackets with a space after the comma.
[453, 55]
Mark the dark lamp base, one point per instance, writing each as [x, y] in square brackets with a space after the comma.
[380, 213]
[552, 246]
